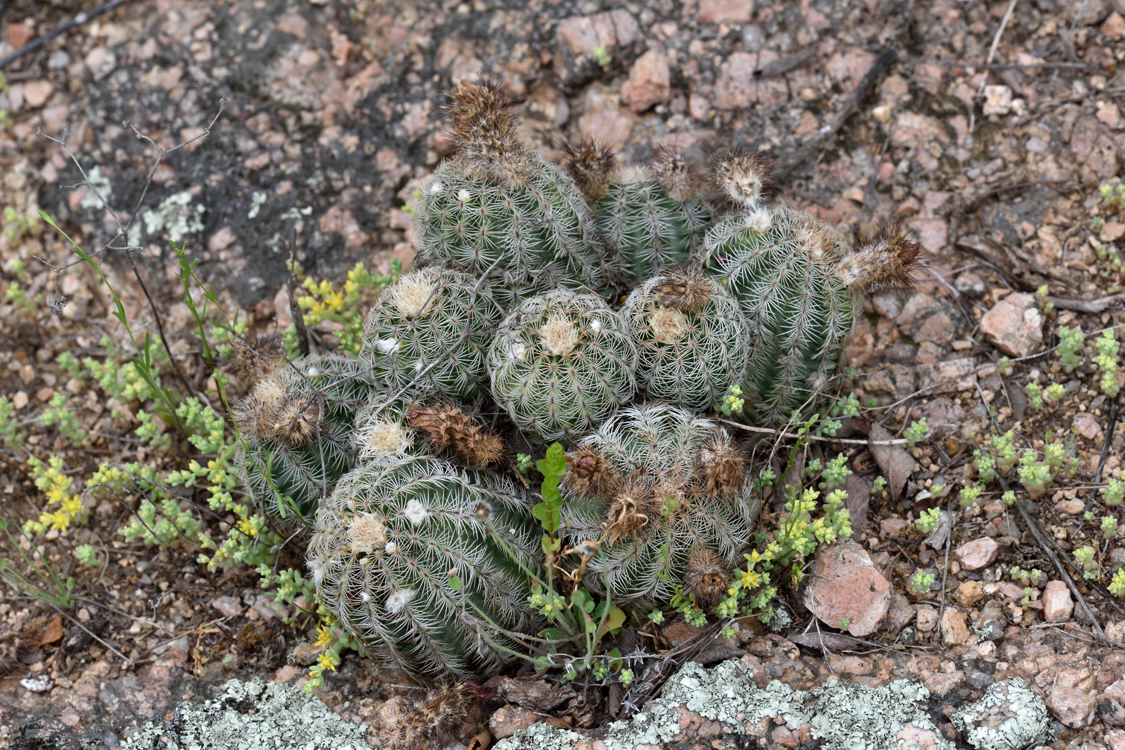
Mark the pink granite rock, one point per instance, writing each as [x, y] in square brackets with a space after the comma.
[846, 591]
[1074, 708]
[1057, 604]
[650, 82]
[1014, 325]
[978, 553]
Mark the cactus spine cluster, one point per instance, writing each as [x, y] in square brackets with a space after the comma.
[498, 209]
[692, 338]
[561, 363]
[651, 218]
[296, 424]
[436, 322]
[662, 492]
[797, 284]
[415, 559]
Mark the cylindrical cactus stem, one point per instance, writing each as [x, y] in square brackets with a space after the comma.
[692, 339]
[432, 321]
[797, 284]
[296, 427]
[651, 218]
[560, 364]
[417, 560]
[497, 208]
[655, 485]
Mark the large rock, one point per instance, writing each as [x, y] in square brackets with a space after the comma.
[1057, 604]
[650, 82]
[578, 39]
[978, 553]
[1014, 325]
[1073, 707]
[847, 591]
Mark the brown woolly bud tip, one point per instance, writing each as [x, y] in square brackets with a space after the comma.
[446, 426]
[253, 360]
[254, 414]
[439, 712]
[636, 506]
[708, 577]
[296, 420]
[722, 466]
[684, 289]
[671, 171]
[591, 165]
[486, 131]
[886, 262]
[588, 473]
[744, 177]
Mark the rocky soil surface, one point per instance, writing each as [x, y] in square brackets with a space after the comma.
[987, 128]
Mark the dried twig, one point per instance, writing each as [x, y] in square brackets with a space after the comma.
[1048, 550]
[866, 85]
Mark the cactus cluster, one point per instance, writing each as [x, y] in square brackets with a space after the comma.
[404, 459]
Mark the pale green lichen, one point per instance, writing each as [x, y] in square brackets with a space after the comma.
[103, 186]
[844, 716]
[1010, 716]
[253, 716]
[173, 217]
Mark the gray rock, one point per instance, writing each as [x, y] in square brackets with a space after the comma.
[1009, 717]
[253, 715]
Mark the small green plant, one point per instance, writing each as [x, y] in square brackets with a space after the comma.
[733, 402]
[1009, 498]
[87, 555]
[986, 467]
[1034, 395]
[1042, 295]
[879, 484]
[928, 520]
[1091, 569]
[1108, 361]
[1071, 341]
[52, 481]
[1004, 366]
[1117, 585]
[1113, 198]
[1113, 492]
[602, 56]
[970, 494]
[1055, 392]
[1109, 527]
[43, 583]
[916, 431]
[920, 583]
[57, 413]
[1026, 577]
[835, 473]
[10, 434]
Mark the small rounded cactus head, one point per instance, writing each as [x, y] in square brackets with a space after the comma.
[414, 558]
[665, 498]
[431, 328]
[561, 363]
[650, 216]
[692, 338]
[500, 210]
[296, 426]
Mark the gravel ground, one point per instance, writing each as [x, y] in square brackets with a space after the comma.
[334, 108]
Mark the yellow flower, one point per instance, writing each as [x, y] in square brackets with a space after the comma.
[247, 528]
[327, 661]
[57, 520]
[71, 506]
[751, 579]
[323, 637]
